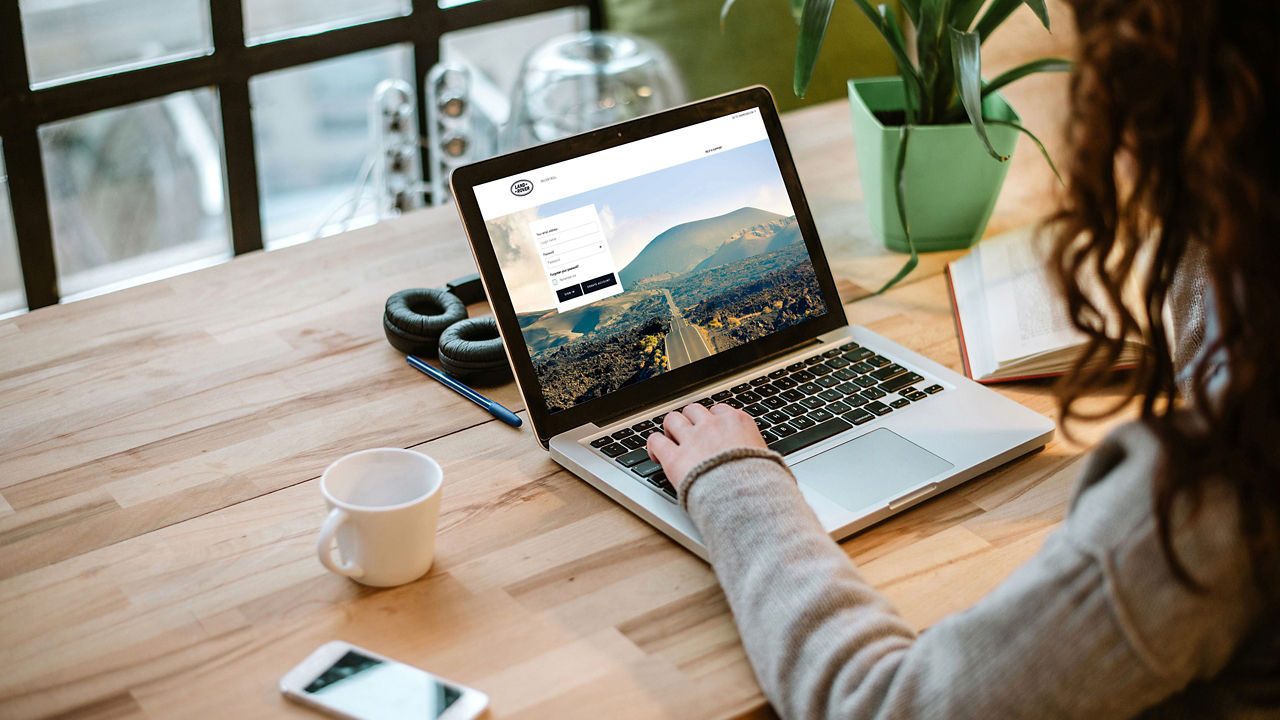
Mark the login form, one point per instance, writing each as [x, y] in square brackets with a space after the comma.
[576, 257]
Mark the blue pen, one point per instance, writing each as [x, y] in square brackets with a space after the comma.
[448, 381]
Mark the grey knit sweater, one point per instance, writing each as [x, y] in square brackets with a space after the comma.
[1094, 626]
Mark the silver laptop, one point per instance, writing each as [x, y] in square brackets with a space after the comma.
[672, 259]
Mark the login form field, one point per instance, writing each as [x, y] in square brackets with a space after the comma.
[576, 257]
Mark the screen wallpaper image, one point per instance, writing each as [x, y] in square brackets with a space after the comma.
[622, 283]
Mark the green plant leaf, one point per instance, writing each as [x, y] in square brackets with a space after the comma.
[724, 12]
[963, 12]
[913, 10]
[813, 28]
[1035, 66]
[900, 194]
[1035, 140]
[797, 10]
[911, 89]
[998, 10]
[966, 53]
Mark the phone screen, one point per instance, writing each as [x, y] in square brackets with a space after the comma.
[367, 687]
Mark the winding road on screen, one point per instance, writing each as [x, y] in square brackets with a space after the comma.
[684, 343]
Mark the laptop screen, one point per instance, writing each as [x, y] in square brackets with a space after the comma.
[642, 258]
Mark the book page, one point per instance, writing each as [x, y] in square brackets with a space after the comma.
[1025, 314]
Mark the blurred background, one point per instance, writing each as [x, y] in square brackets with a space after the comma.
[144, 138]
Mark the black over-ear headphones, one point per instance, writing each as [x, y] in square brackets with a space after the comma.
[433, 322]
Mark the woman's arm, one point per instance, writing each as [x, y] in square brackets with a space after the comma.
[1063, 636]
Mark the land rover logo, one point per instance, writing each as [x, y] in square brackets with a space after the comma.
[521, 187]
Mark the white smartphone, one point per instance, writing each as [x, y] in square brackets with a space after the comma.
[350, 682]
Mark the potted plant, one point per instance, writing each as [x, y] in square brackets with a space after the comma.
[933, 142]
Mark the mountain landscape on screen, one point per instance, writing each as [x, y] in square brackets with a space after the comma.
[696, 289]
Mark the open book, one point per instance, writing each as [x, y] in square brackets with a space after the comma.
[1012, 322]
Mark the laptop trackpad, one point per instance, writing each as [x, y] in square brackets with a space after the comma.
[869, 470]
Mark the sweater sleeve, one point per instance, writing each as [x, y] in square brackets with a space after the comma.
[1079, 631]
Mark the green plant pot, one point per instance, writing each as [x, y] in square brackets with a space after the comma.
[951, 181]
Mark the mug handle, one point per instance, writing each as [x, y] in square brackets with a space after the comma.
[325, 546]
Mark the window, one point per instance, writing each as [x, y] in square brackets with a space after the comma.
[148, 137]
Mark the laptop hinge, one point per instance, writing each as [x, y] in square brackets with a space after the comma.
[709, 381]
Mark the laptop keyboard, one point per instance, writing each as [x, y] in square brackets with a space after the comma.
[804, 403]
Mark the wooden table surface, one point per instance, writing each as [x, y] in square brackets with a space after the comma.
[159, 455]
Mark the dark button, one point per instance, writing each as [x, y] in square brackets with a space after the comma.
[792, 395]
[820, 415]
[777, 416]
[773, 402]
[933, 389]
[844, 374]
[802, 376]
[888, 371]
[813, 360]
[658, 420]
[795, 410]
[914, 395]
[878, 360]
[757, 382]
[856, 400]
[848, 388]
[722, 396]
[642, 425]
[784, 430]
[780, 372]
[749, 396]
[734, 403]
[879, 408]
[767, 390]
[613, 449]
[850, 346]
[813, 403]
[785, 383]
[810, 388]
[828, 381]
[802, 423]
[900, 403]
[635, 457]
[865, 381]
[900, 382]
[601, 441]
[858, 354]
[569, 293]
[836, 363]
[706, 402]
[768, 436]
[873, 393]
[740, 388]
[795, 366]
[623, 433]
[819, 369]
[633, 441]
[594, 284]
[761, 423]
[839, 407]
[858, 416]
[831, 395]
[646, 468]
[831, 353]
[862, 367]
[756, 409]
[650, 431]
[805, 438]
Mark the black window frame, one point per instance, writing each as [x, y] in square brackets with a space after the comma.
[228, 68]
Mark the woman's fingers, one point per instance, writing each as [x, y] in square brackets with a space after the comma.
[695, 413]
[659, 447]
[721, 409]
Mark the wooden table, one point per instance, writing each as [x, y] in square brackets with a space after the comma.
[159, 502]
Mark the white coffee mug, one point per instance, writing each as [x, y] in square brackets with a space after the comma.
[383, 508]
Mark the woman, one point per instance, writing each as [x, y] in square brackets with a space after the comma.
[1159, 592]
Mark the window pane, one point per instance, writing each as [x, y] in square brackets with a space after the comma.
[266, 20]
[72, 38]
[497, 49]
[310, 126]
[136, 193]
[12, 295]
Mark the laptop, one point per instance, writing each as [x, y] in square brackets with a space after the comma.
[672, 259]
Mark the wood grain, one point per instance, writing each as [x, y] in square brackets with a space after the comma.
[159, 500]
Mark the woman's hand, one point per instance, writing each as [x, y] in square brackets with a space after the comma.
[696, 433]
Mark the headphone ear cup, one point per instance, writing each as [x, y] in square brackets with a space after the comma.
[472, 349]
[414, 319]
